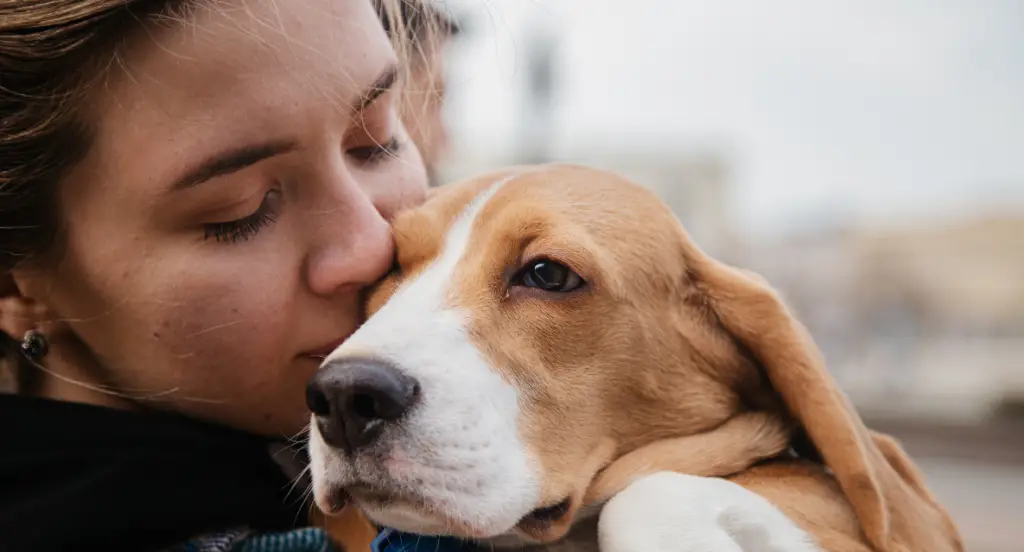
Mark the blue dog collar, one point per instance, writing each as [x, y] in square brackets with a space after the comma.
[390, 540]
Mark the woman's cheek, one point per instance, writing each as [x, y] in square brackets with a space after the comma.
[404, 186]
[232, 315]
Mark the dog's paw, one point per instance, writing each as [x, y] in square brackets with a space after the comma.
[671, 512]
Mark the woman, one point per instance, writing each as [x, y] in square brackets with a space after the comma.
[193, 195]
[431, 31]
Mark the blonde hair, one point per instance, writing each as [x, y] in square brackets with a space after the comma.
[417, 29]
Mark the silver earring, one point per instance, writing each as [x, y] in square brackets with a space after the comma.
[34, 345]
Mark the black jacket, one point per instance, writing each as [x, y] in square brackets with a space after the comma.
[80, 477]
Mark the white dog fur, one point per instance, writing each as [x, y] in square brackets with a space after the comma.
[672, 512]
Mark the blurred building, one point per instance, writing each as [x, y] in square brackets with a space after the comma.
[925, 320]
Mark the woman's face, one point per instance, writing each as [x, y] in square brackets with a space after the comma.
[233, 207]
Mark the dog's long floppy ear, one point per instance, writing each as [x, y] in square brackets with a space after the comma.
[888, 494]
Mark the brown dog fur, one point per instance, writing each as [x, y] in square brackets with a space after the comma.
[664, 345]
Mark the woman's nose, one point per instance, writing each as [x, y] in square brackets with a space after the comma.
[356, 248]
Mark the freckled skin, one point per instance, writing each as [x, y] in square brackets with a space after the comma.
[221, 330]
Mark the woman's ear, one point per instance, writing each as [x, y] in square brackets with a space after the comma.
[19, 310]
[16, 310]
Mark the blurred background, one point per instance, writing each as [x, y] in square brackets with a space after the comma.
[867, 157]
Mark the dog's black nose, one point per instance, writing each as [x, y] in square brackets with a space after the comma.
[353, 397]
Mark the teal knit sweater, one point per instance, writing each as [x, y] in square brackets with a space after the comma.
[314, 540]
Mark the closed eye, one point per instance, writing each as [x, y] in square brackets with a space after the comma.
[376, 152]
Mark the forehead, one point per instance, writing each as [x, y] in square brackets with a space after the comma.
[222, 48]
[234, 70]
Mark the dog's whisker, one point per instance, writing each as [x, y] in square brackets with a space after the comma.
[297, 479]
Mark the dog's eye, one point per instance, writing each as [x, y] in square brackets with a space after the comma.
[547, 275]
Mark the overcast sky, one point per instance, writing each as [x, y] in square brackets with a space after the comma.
[868, 108]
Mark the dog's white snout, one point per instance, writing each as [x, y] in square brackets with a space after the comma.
[456, 447]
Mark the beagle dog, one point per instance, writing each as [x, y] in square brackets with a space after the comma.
[553, 360]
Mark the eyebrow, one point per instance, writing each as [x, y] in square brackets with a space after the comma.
[234, 160]
[384, 82]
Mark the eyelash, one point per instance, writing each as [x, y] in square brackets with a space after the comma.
[377, 152]
[244, 228]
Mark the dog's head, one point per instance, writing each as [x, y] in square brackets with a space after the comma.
[541, 322]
